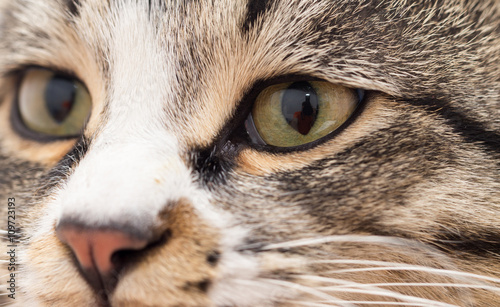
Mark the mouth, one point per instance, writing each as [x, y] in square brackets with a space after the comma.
[101, 285]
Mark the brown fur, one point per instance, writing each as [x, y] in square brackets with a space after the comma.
[402, 205]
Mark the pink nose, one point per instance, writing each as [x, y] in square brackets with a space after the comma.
[94, 248]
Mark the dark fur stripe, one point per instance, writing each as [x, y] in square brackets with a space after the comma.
[482, 246]
[73, 7]
[61, 170]
[254, 9]
[470, 129]
[213, 164]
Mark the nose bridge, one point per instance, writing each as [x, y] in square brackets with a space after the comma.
[125, 181]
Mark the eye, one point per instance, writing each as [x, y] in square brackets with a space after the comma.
[297, 113]
[53, 105]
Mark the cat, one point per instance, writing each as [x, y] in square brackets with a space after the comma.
[250, 153]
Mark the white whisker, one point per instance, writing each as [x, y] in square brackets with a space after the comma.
[328, 304]
[308, 290]
[406, 267]
[445, 285]
[389, 303]
[354, 287]
[384, 265]
[345, 239]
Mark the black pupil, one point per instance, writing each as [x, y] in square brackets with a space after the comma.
[60, 97]
[299, 105]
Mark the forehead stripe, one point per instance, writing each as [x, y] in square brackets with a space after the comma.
[255, 8]
[73, 7]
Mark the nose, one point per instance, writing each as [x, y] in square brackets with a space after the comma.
[94, 250]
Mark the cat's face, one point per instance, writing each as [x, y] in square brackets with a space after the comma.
[251, 153]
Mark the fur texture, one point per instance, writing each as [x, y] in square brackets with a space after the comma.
[400, 207]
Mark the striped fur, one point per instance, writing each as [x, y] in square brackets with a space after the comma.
[401, 206]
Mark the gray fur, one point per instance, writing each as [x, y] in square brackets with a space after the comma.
[414, 180]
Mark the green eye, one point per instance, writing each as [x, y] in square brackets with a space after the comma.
[53, 105]
[297, 113]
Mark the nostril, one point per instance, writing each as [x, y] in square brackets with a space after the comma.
[162, 240]
[94, 250]
[124, 256]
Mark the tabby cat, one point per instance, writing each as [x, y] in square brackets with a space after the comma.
[241, 153]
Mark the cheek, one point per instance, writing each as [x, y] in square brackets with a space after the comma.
[19, 179]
